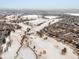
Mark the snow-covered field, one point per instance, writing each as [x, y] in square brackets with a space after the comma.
[35, 47]
[74, 14]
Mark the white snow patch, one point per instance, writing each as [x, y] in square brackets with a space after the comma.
[74, 14]
[51, 17]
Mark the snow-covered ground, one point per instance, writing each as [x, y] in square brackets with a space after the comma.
[37, 44]
[74, 14]
[51, 17]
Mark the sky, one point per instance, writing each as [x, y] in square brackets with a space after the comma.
[40, 4]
